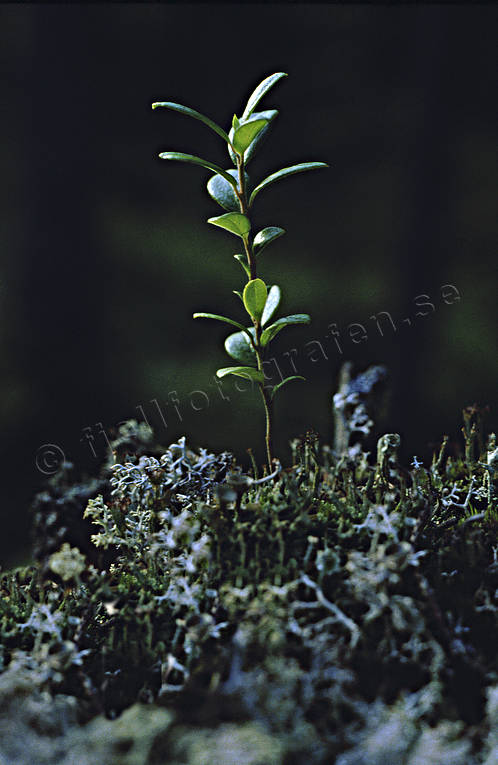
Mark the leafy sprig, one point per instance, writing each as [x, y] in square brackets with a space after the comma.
[231, 189]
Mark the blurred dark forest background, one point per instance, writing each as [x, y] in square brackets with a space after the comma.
[105, 252]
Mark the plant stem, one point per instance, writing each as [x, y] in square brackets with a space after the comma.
[251, 262]
[250, 259]
[268, 404]
[266, 396]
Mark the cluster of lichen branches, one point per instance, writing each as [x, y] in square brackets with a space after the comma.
[231, 189]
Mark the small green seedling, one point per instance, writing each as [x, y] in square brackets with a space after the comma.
[233, 191]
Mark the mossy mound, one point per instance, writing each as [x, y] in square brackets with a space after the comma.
[338, 611]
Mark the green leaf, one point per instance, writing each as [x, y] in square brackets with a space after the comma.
[287, 379]
[221, 318]
[255, 294]
[234, 222]
[246, 133]
[248, 372]
[286, 171]
[192, 113]
[235, 122]
[270, 332]
[260, 91]
[243, 262]
[263, 239]
[271, 305]
[223, 192]
[269, 116]
[239, 347]
[198, 161]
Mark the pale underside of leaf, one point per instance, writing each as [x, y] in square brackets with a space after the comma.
[270, 332]
[224, 319]
[269, 116]
[223, 192]
[271, 305]
[193, 160]
[192, 113]
[265, 237]
[284, 173]
[248, 372]
[260, 91]
[239, 348]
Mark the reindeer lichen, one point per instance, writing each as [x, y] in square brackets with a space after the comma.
[342, 610]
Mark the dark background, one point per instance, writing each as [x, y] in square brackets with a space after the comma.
[105, 252]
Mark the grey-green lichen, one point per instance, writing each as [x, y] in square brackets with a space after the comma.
[68, 563]
[343, 610]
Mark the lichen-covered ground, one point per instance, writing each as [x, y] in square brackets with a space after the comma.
[342, 610]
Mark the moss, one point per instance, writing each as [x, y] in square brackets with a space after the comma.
[341, 609]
